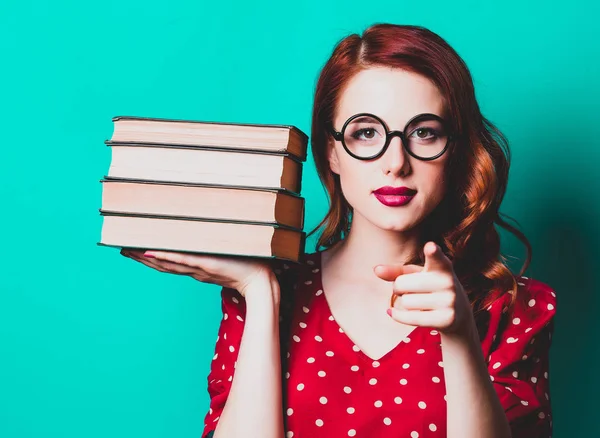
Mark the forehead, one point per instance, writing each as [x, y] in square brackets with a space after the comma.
[395, 95]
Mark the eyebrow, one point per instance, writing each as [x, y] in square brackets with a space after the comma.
[364, 119]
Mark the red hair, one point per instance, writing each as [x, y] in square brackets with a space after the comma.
[477, 170]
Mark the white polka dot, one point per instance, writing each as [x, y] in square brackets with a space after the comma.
[546, 374]
[414, 434]
[310, 262]
[515, 374]
[432, 427]
[310, 360]
[239, 318]
[534, 379]
[422, 405]
[331, 318]
[318, 338]
[516, 321]
[329, 353]
[323, 400]
[553, 294]
[496, 365]
[355, 348]
[378, 404]
[524, 357]
[376, 364]
[351, 432]
[300, 386]
[373, 381]
[406, 340]
[445, 399]
[223, 367]
[436, 379]
[305, 309]
[302, 324]
[433, 332]
[420, 351]
[289, 435]
[524, 402]
[225, 336]
[531, 302]
[290, 411]
[215, 356]
[440, 363]
[341, 330]
[319, 292]
[405, 366]
[387, 421]
[351, 410]
[397, 400]
[287, 375]
[511, 340]
[541, 415]
[225, 316]
[296, 338]
[528, 330]
[347, 389]
[403, 381]
[307, 282]
[509, 388]
[322, 373]
[235, 300]
[354, 367]
[231, 348]
[319, 422]
[547, 396]
[492, 378]
[550, 307]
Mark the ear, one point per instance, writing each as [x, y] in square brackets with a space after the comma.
[332, 156]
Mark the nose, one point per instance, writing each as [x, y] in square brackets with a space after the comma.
[395, 160]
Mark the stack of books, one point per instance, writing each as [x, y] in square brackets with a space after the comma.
[205, 187]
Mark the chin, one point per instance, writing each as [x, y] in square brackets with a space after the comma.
[393, 223]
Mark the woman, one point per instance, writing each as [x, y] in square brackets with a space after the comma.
[415, 176]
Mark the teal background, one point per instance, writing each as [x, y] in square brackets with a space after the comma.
[95, 345]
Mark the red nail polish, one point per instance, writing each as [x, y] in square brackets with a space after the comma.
[150, 256]
[389, 312]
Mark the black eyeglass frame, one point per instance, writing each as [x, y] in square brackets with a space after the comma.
[339, 136]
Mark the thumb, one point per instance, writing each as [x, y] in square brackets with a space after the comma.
[435, 259]
[391, 272]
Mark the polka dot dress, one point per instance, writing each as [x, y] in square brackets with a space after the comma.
[335, 390]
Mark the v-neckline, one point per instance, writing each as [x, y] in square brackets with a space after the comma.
[351, 344]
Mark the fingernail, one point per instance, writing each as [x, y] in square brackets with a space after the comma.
[149, 256]
[389, 312]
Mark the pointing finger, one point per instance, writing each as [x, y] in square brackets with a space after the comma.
[435, 259]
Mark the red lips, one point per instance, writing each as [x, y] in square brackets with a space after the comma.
[397, 191]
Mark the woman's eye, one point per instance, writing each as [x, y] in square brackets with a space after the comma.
[365, 133]
[422, 133]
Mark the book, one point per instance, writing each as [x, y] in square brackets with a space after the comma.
[263, 137]
[203, 201]
[202, 236]
[203, 165]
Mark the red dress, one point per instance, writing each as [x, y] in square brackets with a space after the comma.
[335, 390]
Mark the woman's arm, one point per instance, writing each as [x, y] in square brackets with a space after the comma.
[253, 406]
[473, 407]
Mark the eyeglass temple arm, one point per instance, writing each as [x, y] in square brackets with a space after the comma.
[337, 135]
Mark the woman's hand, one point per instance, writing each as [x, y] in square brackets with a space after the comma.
[232, 272]
[430, 295]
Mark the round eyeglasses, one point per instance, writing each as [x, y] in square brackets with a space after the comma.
[366, 137]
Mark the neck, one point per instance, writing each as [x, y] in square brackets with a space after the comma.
[367, 245]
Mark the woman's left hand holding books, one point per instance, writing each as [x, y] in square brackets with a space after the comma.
[228, 271]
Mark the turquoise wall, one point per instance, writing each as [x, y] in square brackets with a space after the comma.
[95, 345]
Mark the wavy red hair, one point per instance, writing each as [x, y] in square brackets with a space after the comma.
[477, 171]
